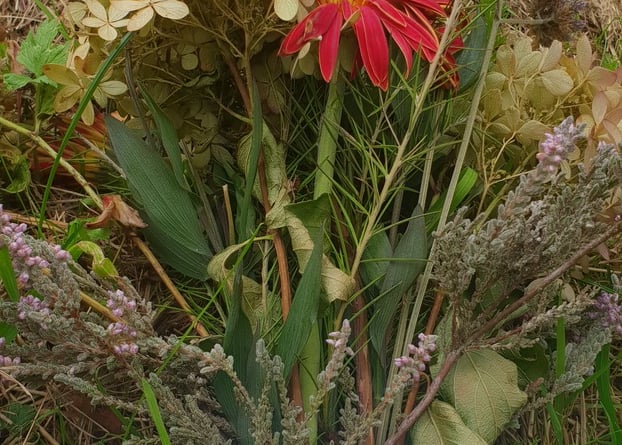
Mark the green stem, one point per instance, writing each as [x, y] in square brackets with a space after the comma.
[327, 143]
[327, 149]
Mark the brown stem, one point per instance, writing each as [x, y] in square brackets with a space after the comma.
[430, 394]
[179, 298]
[362, 361]
[277, 239]
[233, 70]
[436, 309]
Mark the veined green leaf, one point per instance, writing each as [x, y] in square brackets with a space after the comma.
[375, 261]
[483, 388]
[174, 230]
[442, 425]
[466, 182]
[470, 59]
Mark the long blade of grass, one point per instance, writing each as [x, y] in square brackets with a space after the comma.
[154, 411]
[603, 385]
[7, 275]
[88, 95]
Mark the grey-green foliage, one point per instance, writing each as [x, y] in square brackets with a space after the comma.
[543, 222]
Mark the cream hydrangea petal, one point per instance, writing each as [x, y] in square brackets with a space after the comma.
[97, 9]
[139, 19]
[171, 9]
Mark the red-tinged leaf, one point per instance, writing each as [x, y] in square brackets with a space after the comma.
[373, 46]
[115, 209]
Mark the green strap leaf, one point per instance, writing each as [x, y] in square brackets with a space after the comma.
[168, 136]
[304, 309]
[174, 230]
[406, 264]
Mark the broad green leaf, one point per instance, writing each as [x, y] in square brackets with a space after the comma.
[154, 412]
[375, 260]
[168, 136]
[304, 310]
[7, 274]
[440, 424]
[470, 59]
[483, 388]
[14, 81]
[173, 229]
[407, 262]
[466, 182]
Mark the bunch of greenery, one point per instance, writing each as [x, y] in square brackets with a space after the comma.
[305, 211]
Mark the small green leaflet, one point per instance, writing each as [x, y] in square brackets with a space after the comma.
[38, 49]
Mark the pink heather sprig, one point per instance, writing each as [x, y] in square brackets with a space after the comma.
[339, 341]
[418, 356]
[21, 253]
[30, 305]
[123, 337]
[607, 310]
[120, 333]
[6, 360]
[119, 303]
[556, 146]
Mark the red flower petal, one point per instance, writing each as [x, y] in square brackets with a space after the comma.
[329, 48]
[314, 25]
[373, 46]
[431, 5]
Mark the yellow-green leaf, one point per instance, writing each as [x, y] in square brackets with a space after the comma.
[557, 82]
[286, 9]
[61, 74]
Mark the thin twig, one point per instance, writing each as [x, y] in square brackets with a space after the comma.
[179, 298]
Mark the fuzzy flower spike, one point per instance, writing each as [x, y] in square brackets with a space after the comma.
[406, 21]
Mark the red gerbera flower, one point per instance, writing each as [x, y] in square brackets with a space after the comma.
[409, 26]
